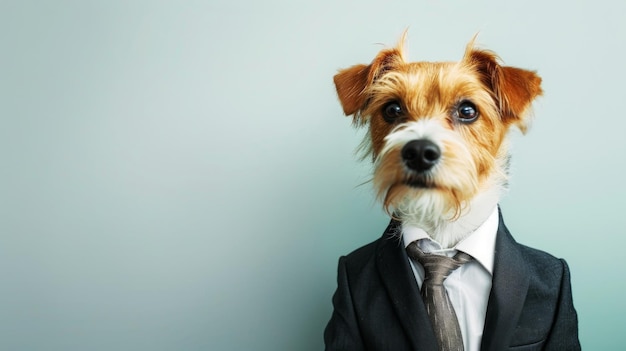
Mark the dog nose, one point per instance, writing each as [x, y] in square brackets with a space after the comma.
[420, 155]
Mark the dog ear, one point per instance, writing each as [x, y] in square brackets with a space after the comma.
[352, 83]
[514, 88]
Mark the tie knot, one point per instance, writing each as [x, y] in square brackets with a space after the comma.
[436, 267]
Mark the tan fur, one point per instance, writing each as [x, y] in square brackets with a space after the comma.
[473, 155]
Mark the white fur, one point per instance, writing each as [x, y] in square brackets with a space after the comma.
[442, 228]
[455, 169]
[429, 208]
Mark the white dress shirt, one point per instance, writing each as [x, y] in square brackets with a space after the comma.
[469, 286]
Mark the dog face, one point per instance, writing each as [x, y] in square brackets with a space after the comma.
[436, 129]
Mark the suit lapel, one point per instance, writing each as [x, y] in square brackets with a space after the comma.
[508, 292]
[399, 281]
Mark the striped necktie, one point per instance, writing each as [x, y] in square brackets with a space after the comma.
[438, 306]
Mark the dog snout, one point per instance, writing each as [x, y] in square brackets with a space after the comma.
[420, 155]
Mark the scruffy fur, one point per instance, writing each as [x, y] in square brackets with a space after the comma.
[466, 183]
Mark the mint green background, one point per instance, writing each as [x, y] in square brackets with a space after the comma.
[179, 176]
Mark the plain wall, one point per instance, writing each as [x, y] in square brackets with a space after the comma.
[179, 175]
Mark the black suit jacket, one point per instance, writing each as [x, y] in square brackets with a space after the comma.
[376, 305]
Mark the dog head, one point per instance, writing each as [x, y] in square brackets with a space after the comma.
[437, 130]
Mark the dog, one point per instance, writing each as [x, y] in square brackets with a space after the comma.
[438, 138]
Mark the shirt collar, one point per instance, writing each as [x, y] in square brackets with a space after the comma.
[480, 244]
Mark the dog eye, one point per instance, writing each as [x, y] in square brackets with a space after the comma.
[392, 112]
[467, 112]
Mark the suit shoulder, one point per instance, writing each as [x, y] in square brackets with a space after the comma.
[367, 252]
[540, 263]
[539, 256]
[543, 264]
[362, 255]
